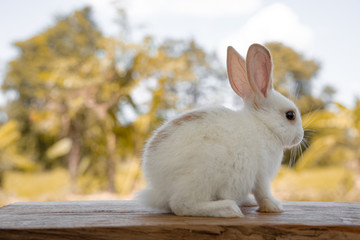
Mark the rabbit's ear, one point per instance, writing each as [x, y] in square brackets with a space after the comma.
[259, 70]
[237, 74]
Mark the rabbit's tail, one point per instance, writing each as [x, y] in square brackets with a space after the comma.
[153, 198]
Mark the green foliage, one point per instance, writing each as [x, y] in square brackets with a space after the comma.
[59, 149]
[336, 138]
[10, 158]
[8, 134]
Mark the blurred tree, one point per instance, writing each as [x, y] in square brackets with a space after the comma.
[327, 94]
[54, 74]
[293, 75]
[291, 68]
[74, 87]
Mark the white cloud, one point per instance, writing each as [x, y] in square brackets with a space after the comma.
[274, 23]
[200, 8]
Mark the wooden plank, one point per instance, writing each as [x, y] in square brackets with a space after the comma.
[130, 220]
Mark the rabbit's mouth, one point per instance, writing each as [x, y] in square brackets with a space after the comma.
[297, 140]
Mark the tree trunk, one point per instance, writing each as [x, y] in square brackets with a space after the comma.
[74, 159]
[74, 155]
[111, 147]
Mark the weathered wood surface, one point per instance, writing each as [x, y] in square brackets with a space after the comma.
[130, 220]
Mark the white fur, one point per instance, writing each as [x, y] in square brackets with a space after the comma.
[209, 165]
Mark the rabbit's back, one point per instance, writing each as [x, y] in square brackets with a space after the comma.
[194, 130]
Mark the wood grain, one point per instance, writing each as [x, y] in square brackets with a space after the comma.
[130, 220]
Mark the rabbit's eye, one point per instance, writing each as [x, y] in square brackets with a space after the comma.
[290, 115]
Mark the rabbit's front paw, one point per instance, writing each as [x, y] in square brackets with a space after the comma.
[270, 206]
[249, 201]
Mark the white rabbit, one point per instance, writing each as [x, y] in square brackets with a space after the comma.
[207, 161]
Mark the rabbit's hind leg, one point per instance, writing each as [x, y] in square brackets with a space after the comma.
[219, 208]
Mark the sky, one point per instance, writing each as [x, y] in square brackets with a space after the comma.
[325, 30]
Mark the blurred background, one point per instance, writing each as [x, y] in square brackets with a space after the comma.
[84, 83]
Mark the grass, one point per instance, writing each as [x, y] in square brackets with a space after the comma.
[35, 185]
[317, 184]
[313, 184]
